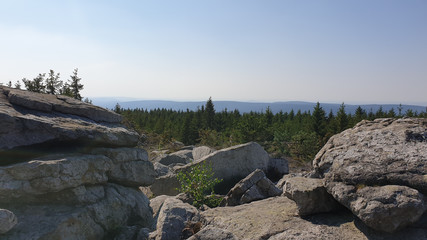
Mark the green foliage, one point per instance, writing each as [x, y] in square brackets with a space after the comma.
[294, 134]
[197, 183]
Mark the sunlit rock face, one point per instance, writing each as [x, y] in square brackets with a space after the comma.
[69, 170]
[378, 170]
[34, 123]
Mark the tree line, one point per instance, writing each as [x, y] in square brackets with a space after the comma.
[295, 133]
[51, 84]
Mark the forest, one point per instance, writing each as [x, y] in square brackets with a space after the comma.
[295, 134]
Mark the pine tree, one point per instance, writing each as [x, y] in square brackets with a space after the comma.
[319, 121]
[36, 85]
[342, 119]
[210, 114]
[75, 86]
[53, 84]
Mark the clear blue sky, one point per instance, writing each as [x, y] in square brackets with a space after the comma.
[368, 51]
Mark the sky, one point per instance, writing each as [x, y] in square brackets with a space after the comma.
[357, 52]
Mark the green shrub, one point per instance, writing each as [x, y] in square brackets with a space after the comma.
[198, 182]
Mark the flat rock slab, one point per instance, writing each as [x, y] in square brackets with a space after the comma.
[276, 218]
[34, 119]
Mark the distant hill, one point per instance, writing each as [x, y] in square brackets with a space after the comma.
[245, 107]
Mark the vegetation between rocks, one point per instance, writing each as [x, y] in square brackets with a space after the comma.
[199, 183]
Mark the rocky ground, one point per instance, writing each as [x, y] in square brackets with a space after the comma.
[71, 170]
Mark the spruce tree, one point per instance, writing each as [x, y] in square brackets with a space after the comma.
[210, 114]
[342, 119]
[53, 84]
[75, 86]
[319, 121]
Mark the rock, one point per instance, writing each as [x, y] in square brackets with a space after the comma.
[377, 154]
[164, 185]
[8, 220]
[310, 195]
[120, 206]
[26, 181]
[171, 159]
[277, 167]
[173, 217]
[235, 162]
[384, 208]
[255, 186]
[143, 234]
[157, 203]
[380, 152]
[202, 151]
[162, 170]
[213, 233]
[126, 233]
[34, 123]
[130, 166]
[185, 153]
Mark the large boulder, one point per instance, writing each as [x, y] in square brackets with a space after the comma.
[255, 186]
[7, 220]
[202, 151]
[27, 181]
[384, 208]
[120, 206]
[172, 219]
[310, 195]
[234, 163]
[33, 123]
[368, 161]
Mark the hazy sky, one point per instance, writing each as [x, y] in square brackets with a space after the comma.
[367, 51]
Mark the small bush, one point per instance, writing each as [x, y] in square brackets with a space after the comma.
[198, 182]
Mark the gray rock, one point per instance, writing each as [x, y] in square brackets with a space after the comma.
[202, 151]
[120, 207]
[186, 153]
[130, 166]
[32, 119]
[380, 152]
[213, 233]
[164, 185]
[277, 167]
[173, 217]
[162, 170]
[8, 220]
[255, 186]
[384, 208]
[171, 160]
[235, 162]
[310, 195]
[157, 203]
[377, 153]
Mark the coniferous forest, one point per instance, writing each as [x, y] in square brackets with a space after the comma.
[295, 134]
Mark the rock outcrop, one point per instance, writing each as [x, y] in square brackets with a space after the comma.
[378, 170]
[310, 195]
[69, 170]
[255, 186]
[35, 123]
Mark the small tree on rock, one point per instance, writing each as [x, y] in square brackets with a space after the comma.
[74, 86]
[53, 84]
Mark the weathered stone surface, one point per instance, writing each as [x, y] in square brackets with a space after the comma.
[377, 153]
[162, 170]
[380, 152]
[384, 208]
[234, 162]
[67, 175]
[277, 167]
[202, 151]
[255, 186]
[156, 204]
[63, 104]
[173, 217]
[7, 220]
[130, 166]
[310, 195]
[121, 207]
[213, 233]
[31, 118]
[164, 185]
[275, 218]
[171, 159]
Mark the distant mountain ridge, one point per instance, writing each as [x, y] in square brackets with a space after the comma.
[245, 107]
